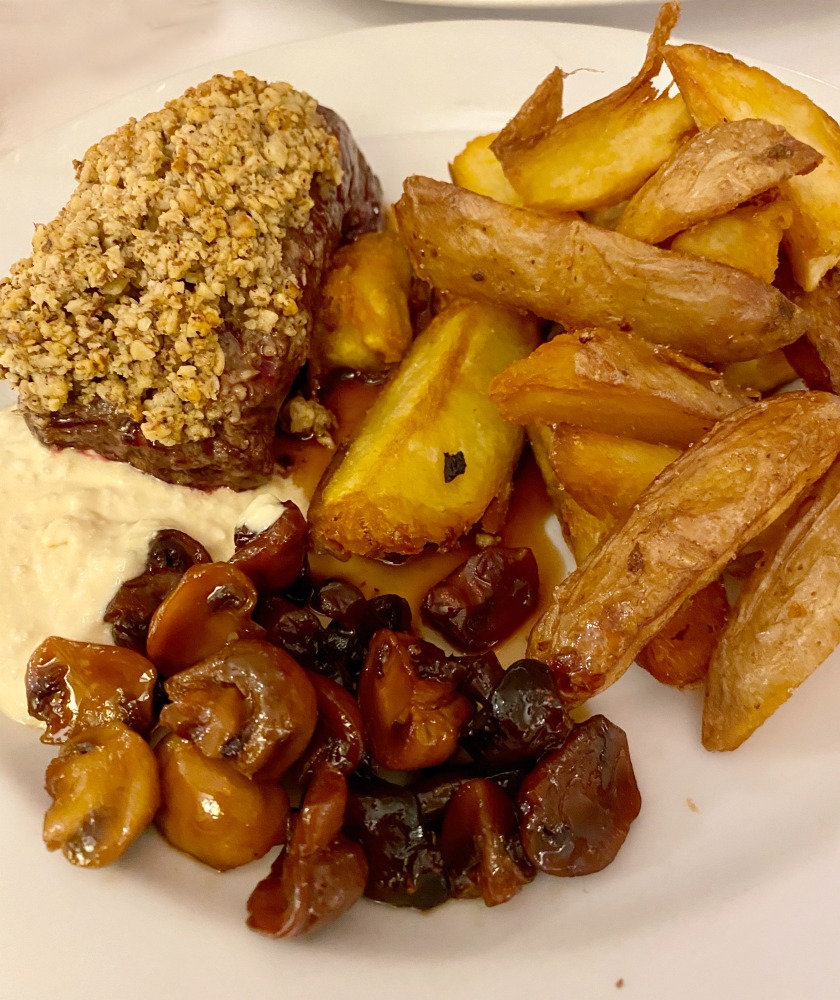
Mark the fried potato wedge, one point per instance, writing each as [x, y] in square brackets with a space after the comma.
[602, 153]
[680, 534]
[593, 481]
[605, 473]
[680, 653]
[786, 622]
[764, 374]
[363, 321]
[477, 169]
[582, 276]
[534, 121]
[615, 383]
[717, 87]
[432, 452]
[822, 315]
[716, 171]
[747, 238]
[582, 530]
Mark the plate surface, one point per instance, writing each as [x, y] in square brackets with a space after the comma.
[728, 882]
[518, 4]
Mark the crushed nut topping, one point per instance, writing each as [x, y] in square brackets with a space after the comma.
[174, 231]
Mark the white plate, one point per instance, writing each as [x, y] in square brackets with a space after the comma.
[728, 884]
[519, 4]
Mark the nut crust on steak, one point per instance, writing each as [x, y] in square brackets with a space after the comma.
[166, 311]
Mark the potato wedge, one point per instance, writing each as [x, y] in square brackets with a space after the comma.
[605, 473]
[786, 622]
[581, 276]
[747, 238]
[683, 530]
[764, 374]
[477, 169]
[615, 383]
[602, 153]
[363, 321]
[717, 87]
[822, 315]
[432, 452]
[582, 530]
[716, 171]
[593, 480]
[534, 120]
[680, 653]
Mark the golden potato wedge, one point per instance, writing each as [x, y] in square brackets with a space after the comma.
[432, 452]
[821, 308]
[534, 120]
[747, 238]
[764, 374]
[593, 480]
[680, 653]
[605, 473]
[716, 171]
[685, 527]
[581, 276]
[786, 622]
[582, 530]
[477, 169]
[615, 383]
[363, 321]
[603, 152]
[717, 87]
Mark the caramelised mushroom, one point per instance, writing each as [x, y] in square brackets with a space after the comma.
[339, 738]
[105, 790]
[212, 811]
[211, 605]
[480, 844]
[267, 707]
[130, 610]
[485, 599]
[321, 873]
[274, 559]
[577, 805]
[412, 722]
[73, 685]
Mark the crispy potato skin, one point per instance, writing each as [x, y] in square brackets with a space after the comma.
[697, 514]
[713, 173]
[717, 86]
[614, 382]
[822, 315]
[582, 276]
[785, 624]
[389, 491]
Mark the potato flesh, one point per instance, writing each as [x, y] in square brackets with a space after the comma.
[785, 624]
[388, 493]
[605, 473]
[716, 86]
[602, 152]
[683, 530]
[583, 276]
[477, 169]
[747, 238]
[613, 382]
[764, 374]
[589, 163]
[363, 320]
[713, 173]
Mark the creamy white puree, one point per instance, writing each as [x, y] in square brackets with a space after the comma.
[74, 526]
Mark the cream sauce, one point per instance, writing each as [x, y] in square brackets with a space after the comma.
[73, 526]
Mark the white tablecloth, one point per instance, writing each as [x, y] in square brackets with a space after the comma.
[58, 58]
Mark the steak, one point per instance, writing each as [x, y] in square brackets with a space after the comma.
[166, 311]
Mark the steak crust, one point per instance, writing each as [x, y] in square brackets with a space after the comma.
[260, 362]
